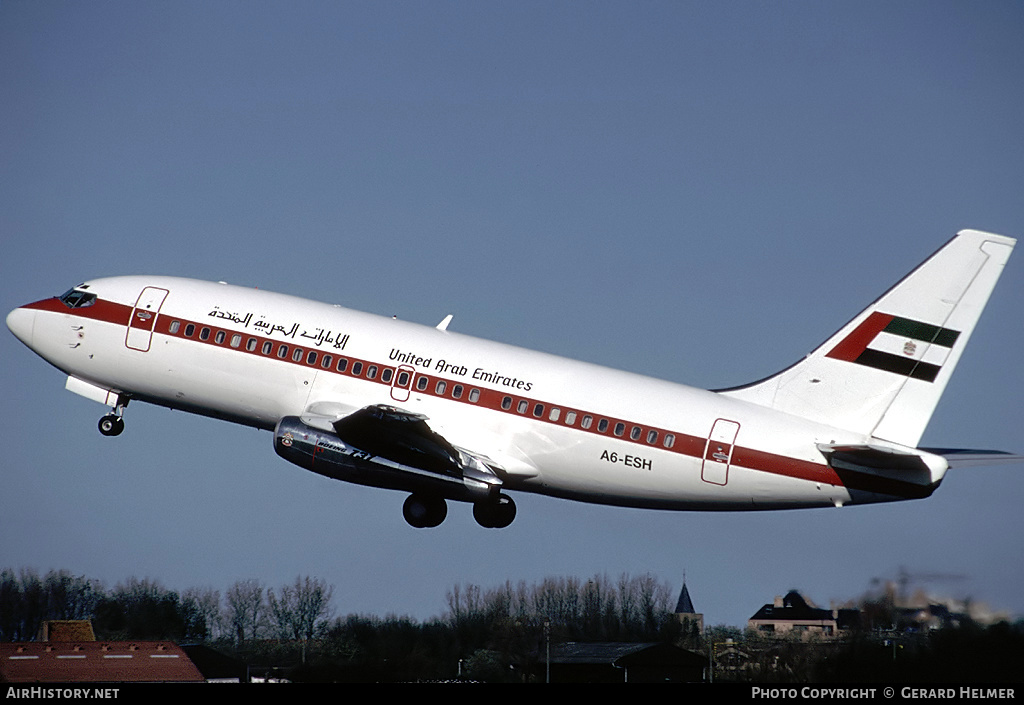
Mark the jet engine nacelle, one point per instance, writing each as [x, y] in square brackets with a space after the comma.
[325, 453]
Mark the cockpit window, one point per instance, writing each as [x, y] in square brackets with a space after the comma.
[73, 298]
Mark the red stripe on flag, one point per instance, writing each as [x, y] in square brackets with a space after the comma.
[850, 347]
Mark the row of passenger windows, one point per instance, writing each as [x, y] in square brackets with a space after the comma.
[587, 421]
[326, 361]
[422, 382]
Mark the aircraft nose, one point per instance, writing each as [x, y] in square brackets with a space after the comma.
[22, 321]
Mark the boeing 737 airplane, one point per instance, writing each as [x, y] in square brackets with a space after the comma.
[443, 416]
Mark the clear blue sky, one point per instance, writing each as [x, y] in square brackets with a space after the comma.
[696, 191]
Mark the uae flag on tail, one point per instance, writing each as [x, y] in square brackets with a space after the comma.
[899, 345]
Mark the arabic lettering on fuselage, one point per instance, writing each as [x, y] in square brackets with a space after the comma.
[317, 336]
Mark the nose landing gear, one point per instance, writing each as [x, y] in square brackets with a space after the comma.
[113, 423]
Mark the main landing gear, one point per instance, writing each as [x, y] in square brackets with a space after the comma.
[113, 423]
[427, 511]
[424, 511]
[495, 514]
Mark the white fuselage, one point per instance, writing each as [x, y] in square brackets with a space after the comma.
[554, 426]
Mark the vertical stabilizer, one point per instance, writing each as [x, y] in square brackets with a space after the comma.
[883, 373]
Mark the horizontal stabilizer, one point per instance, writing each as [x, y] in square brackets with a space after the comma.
[910, 465]
[966, 458]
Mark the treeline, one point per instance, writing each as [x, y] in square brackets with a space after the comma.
[146, 610]
[491, 634]
[629, 608]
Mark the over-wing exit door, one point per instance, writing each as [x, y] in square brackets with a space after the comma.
[401, 384]
[718, 452]
[143, 318]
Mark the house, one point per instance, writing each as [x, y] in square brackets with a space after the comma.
[793, 616]
[96, 662]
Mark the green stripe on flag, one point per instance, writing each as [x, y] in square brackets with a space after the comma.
[925, 332]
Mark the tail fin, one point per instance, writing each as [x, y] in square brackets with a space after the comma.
[883, 373]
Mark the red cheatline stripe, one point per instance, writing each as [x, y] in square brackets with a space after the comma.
[685, 444]
[850, 347]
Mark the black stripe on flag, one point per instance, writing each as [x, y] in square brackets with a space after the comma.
[900, 365]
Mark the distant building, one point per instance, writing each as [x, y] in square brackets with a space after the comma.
[67, 652]
[792, 616]
[928, 618]
[685, 611]
[621, 663]
[66, 630]
[96, 662]
[215, 666]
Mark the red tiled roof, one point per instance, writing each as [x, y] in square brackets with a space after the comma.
[96, 662]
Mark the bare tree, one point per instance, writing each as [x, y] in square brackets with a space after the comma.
[464, 603]
[245, 608]
[204, 612]
[69, 596]
[300, 609]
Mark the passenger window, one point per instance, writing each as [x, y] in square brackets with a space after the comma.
[387, 373]
[403, 379]
[570, 418]
[371, 372]
[357, 368]
[282, 351]
[326, 362]
[506, 403]
[587, 421]
[474, 395]
[538, 410]
[236, 340]
[267, 347]
[457, 391]
[219, 338]
[342, 364]
[422, 383]
[652, 437]
[554, 414]
[175, 325]
[522, 406]
[251, 344]
[620, 428]
[670, 440]
[190, 330]
[204, 334]
[635, 433]
[441, 386]
[602, 425]
[311, 357]
[297, 355]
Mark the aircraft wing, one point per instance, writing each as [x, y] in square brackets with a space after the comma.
[401, 436]
[400, 442]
